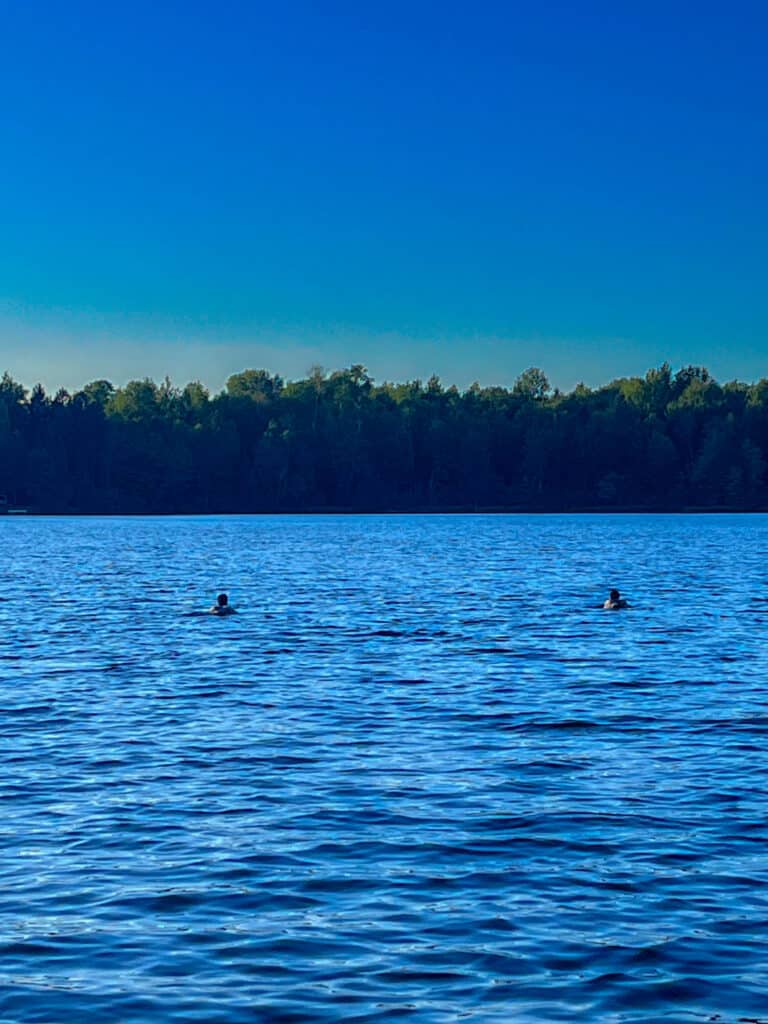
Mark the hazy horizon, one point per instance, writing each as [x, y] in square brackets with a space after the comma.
[90, 350]
[420, 189]
[184, 363]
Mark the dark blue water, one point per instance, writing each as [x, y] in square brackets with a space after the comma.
[419, 776]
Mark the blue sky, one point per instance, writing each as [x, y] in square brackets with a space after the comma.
[461, 189]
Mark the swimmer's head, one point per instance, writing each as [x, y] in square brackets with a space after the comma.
[615, 595]
[222, 600]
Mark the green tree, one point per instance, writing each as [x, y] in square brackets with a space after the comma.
[532, 384]
[258, 385]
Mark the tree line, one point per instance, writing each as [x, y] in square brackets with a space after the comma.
[668, 440]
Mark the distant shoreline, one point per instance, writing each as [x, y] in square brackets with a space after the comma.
[340, 444]
[420, 511]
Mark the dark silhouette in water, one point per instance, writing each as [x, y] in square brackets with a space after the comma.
[615, 602]
[222, 606]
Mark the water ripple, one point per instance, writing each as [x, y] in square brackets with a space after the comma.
[419, 776]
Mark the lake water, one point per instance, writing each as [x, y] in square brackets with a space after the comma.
[420, 776]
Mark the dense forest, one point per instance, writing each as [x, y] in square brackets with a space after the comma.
[338, 441]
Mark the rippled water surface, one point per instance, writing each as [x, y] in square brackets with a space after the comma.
[419, 776]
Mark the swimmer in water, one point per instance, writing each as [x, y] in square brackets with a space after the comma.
[615, 602]
[222, 606]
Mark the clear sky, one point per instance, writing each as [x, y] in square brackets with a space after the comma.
[464, 189]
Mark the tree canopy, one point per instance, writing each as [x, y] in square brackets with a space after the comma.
[667, 440]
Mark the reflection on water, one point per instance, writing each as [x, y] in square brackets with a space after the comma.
[420, 775]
